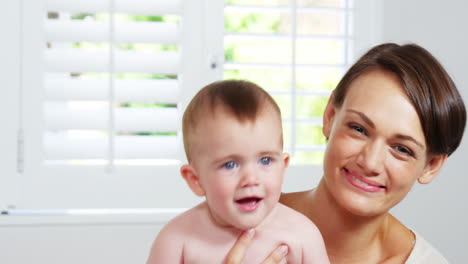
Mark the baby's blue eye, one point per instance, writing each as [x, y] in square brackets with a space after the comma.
[265, 160]
[230, 165]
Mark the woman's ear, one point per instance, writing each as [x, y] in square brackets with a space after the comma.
[433, 167]
[328, 116]
[190, 175]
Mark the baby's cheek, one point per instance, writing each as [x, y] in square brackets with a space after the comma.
[274, 188]
[223, 191]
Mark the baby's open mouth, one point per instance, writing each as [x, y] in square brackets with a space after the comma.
[249, 200]
[249, 204]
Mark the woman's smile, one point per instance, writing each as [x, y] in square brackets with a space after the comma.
[363, 183]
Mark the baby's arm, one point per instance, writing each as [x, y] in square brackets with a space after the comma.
[313, 249]
[167, 248]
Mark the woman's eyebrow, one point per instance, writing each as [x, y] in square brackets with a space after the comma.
[371, 124]
[363, 117]
[410, 138]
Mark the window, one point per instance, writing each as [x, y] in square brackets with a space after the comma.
[297, 50]
[96, 89]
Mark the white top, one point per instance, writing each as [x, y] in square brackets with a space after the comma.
[425, 253]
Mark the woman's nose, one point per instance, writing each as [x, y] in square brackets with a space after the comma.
[372, 157]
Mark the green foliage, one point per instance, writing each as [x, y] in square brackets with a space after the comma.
[97, 75]
[315, 157]
[229, 53]
[258, 2]
[310, 106]
[146, 105]
[146, 18]
[81, 16]
[309, 135]
[147, 133]
[277, 51]
[147, 47]
[251, 23]
[268, 79]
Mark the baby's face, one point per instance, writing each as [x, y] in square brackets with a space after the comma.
[240, 166]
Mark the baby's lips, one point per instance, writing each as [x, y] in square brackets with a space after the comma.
[249, 199]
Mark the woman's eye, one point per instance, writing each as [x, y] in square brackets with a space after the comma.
[357, 128]
[265, 160]
[404, 150]
[229, 165]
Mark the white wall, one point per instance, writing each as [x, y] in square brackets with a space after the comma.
[117, 239]
[439, 211]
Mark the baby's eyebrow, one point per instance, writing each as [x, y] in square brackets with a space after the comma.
[227, 158]
[270, 153]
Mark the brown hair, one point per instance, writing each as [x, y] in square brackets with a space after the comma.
[242, 98]
[429, 87]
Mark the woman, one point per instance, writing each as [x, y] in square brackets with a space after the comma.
[393, 120]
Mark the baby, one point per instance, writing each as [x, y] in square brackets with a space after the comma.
[234, 145]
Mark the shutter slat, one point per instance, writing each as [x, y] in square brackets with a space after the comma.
[60, 147]
[162, 91]
[135, 119]
[141, 7]
[125, 32]
[76, 111]
[74, 60]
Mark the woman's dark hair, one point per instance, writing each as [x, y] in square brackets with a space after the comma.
[429, 87]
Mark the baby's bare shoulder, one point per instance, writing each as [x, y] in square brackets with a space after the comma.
[300, 232]
[188, 217]
[289, 215]
[292, 223]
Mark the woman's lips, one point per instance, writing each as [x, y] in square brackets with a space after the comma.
[249, 204]
[363, 183]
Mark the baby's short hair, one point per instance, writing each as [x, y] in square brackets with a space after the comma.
[243, 99]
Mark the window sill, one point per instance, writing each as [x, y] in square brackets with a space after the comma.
[157, 216]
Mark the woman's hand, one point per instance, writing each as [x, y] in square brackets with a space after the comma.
[237, 252]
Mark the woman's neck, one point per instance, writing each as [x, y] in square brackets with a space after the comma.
[349, 238]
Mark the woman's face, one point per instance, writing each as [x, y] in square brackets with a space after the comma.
[376, 149]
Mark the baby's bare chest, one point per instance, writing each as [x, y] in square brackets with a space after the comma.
[214, 249]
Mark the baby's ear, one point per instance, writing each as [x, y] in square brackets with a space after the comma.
[190, 175]
[286, 158]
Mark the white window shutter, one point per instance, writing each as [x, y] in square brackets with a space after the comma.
[101, 121]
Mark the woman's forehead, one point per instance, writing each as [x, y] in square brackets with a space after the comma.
[376, 87]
